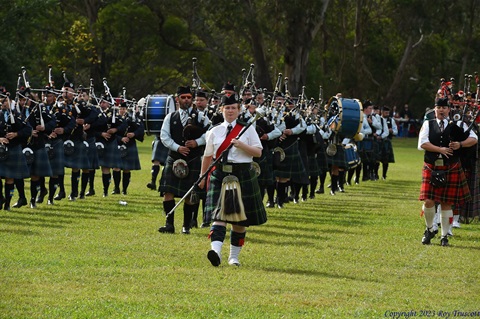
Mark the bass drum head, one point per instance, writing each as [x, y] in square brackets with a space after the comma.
[345, 116]
[156, 108]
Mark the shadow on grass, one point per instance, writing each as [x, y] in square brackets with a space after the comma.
[296, 271]
[19, 232]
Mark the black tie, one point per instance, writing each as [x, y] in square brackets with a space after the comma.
[225, 153]
[229, 129]
[442, 126]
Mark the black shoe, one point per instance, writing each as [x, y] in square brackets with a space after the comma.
[193, 224]
[170, 229]
[332, 193]
[270, 204]
[60, 196]
[205, 225]
[105, 194]
[444, 241]
[152, 186]
[41, 196]
[185, 230]
[341, 190]
[295, 201]
[116, 191]
[357, 181]
[91, 192]
[21, 202]
[72, 197]
[124, 192]
[7, 208]
[33, 203]
[321, 190]
[213, 257]
[82, 196]
[311, 196]
[427, 237]
[280, 206]
[50, 202]
[2, 201]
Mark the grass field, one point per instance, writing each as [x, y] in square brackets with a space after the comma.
[353, 255]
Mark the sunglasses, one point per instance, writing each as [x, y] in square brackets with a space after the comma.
[184, 97]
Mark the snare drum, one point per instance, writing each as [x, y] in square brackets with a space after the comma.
[156, 108]
[346, 116]
[351, 156]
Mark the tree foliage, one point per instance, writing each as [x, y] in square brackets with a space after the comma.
[392, 52]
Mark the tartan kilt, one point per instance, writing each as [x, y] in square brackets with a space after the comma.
[79, 158]
[131, 161]
[377, 155]
[292, 166]
[313, 169]
[266, 166]
[92, 153]
[111, 155]
[254, 208]
[456, 191]
[159, 152]
[169, 183]
[15, 165]
[365, 150]
[386, 152]
[322, 163]
[41, 164]
[338, 159]
[57, 163]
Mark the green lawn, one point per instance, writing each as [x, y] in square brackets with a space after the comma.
[357, 254]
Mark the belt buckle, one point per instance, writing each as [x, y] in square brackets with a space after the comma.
[227, 168]
[439, 162]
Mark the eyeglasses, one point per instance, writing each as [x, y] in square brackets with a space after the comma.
[184, 97]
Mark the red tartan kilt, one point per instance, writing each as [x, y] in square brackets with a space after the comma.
[455, 192]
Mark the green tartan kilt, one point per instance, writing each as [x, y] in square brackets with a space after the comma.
[41, 163]
[322, 163]
[292, 166]
[387, 155]
[169, 183]
[266, 166]
[254, 208]
[313, 168]
[338, 159]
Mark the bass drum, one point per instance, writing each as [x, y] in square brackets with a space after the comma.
[345, 116]
[156, 108]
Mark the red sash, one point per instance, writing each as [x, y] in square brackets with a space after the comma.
[233, 133]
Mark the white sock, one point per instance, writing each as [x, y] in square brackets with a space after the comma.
[234, 252]
[217, 247]
[446, 221]
[429, 214]
[456, 218]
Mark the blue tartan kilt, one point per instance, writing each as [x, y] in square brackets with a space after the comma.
[292, 166]
[159, 152]
[387, 155]
[254, 208]
[169, 183]
[92, 153]
[41, 163]
[266, 166]
[322, 163]
[15, 165]
[365, 150]
[338, 159]
[79, 158]
[131, 161]
[111, 155]
[57, 163]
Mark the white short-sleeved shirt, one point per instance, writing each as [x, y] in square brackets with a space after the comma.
[216, 136]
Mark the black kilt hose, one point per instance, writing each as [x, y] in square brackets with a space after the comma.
[41, 163]
[57, 163]
[110, 156]
[92, 153]
[338, 159]
[169, 183]
[79, 158]
[266, 166]
[254, 208]
[131, 162]
[15, 165]
[292, 166]
[386, 151]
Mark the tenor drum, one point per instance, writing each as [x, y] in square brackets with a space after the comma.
[345, 116]
[156, 108]
[351, 156]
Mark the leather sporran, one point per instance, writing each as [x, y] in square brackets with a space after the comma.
[438, 179]
[278, 156]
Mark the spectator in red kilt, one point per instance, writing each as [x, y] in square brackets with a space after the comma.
[442, 157]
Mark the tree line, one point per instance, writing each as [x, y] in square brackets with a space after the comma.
[389, 51]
